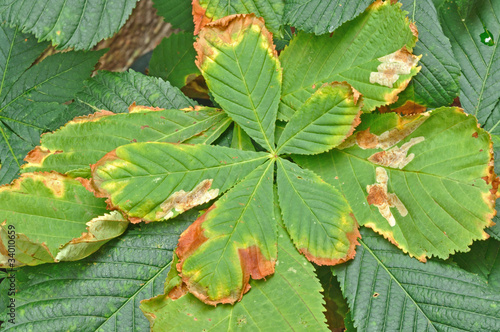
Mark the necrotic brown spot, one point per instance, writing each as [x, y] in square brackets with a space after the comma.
[398, 63]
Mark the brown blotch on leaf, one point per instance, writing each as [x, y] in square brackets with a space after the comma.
[199, 17]
[414, 29]
[37, 155]
[396, 157]
[228, 30]
[134, 108]
[392, 65]
[410, 108]
[181, 201]
[178, 291]
[366, 140]
[352, 237]
[379, 197]
[475, 135]
[191, 239]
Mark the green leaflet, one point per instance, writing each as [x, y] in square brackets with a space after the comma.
[437, 82]
[49, 213]
[213, 134]
[85, 140]
[79, 24]
[234, 240]
[175, 12]
[156, 181]
[324, 121]
[101, 292]
[479, 84]
[483, 260]
[115, 92]
[287, 301]
[237, 58]
[317, 217]
[319, 16]
[173, 60]
[364, 52]
[31, 97]
[428, 176]
[388, 291]
[270, 10]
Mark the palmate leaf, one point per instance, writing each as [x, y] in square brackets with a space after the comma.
[478, 56]
[234, 240]
[324, 121]
[371, 52]
[136, 182]
[388, 291]
[271, 11]
[319, 17]
[437, 82]
[50, 214]
[173, 60]
[79, 24]
[101, 292]
[317, 217]
[237, 58]
[423, 182]
[85, 140]
[287, 301]
[31, 97]
[115, 92]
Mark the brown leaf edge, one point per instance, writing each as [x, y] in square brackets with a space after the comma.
[227, 30]
[253, 263]
[352, 236]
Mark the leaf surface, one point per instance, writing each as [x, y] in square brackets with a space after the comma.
[388, 291]
[423, 182]
[319, 17]
[241, 140]
[235, 240]
[102, 292]
[210, 10]
[49, 211]
[177, 13]
[324, 121]
[85, 140]
[371, 52]
[237, 58]
[31, 97]
[79, 24]
[478, 57]
[437, 82]
[287, 301]
[317, 217]
[115, 92]
[173, 60]
[156, 181]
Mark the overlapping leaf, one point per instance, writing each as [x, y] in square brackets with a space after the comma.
[237, 58]
[115, 92]
[424, 182]
[317, 217]
[271, 11]
[388, 291]
[325, 120]
[156, 181]
[437, 82]
[287, 301]
[173, 60]
[371, 52]
[474, 39]
[101, 292]
[235, 240]
[79, 24]
[85, 140]
[49, 214]
[319, 17]
[31, 97]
